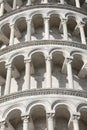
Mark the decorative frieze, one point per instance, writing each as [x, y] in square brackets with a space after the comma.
[44, 42]
[55, 91]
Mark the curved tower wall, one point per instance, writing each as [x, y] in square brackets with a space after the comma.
[43, 68]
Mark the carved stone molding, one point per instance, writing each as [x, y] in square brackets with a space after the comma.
[77, 93]
[43, 42]
[60, 6]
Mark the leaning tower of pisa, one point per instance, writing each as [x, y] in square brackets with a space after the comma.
[43, 64]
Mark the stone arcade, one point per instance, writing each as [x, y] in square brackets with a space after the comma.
[43, 64]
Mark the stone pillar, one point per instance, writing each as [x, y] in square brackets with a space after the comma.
[50, 124]
[46, 27]
[12, 32]
[77, 3]
[48, 72]
[69, 73]
[44, 1]
[82, 32]
[2, 125]
[27, 74]
[61, 1]
[25, 122]
[8, 79]
[1, 7]
[65, 32]
[28, 29]
[28, 2]
[76, 122]
[14, 4]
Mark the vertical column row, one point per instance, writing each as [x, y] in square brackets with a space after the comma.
[1, 7]
[8, 79]
[69, 73]
[80, 26]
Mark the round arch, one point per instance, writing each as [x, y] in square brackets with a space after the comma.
[18, 17]
[68, 105]
[12, 57]
[32, 52]
[53, 12]
[80, 106]
[19, 106]
[53, 50]
[31, 15]
[46, 105]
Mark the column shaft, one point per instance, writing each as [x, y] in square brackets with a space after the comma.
[25, 123]
[28, 29]
[76, 122]
[2, 124]
[48, 72]
[69, 73]
[76, 125]
[46, 28]
[27, 75]
[77, 3]
[50, 125]
[62, 1]
[2, 8]
[28, 2]
[12, 32]
[82, 33]
[8, 80]
[14, 4]
[65, 32]
[45, 1]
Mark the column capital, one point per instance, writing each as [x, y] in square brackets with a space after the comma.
[49, 58]
[46, 17]
[8, 66]
[75, 116]
[81, 23]
[11, 24]
[25, 117]
[2, 123]
[50, 115]
[69, 59]
[27, 60]
[28, 19]
[63, 20]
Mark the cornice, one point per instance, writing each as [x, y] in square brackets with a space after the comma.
[43, 42]
[60, 6]
[38, 92]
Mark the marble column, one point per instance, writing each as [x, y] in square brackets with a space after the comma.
[77, 3]
[28, 2]
[69, 73]
[8, 79]
[28, 29]
[65, 32]
[27, 74]
[48, 72]
[44, 1]
[2, 125]
[82, 32]
[50, 124]
[25, 122]
[1, 7]
[14, 4]
[61, 1]
[76, 122]
[46, 27]
[12, 32]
